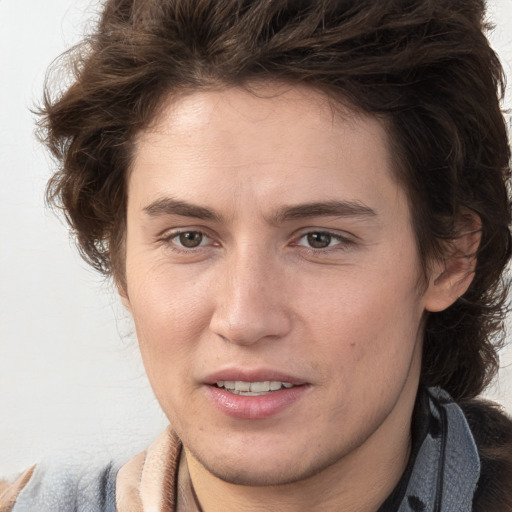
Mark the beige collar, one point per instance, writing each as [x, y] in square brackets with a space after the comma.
[156, 480]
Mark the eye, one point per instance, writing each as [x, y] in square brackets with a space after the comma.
[321, 240]
[189, 239]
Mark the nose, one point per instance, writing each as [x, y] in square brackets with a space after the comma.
[250, 304]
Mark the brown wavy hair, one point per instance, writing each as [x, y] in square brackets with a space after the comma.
[423, 66]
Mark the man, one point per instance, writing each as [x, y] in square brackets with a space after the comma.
[304, 208]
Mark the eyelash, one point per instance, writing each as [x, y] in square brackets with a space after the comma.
[343, 243]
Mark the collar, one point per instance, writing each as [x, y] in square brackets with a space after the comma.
[444, 467]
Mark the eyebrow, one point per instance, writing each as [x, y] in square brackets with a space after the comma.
[333, 208]
[169, 206]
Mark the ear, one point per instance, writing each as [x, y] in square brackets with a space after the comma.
[451, 276]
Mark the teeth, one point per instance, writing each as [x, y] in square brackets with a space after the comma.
[252, 388]
[242, 386]
[259, 387]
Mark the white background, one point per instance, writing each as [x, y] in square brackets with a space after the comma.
[70, 374]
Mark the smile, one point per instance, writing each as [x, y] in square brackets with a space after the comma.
[244, 388]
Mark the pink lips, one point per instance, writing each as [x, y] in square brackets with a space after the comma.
[253, 407]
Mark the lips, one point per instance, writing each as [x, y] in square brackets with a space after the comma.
[253, 394]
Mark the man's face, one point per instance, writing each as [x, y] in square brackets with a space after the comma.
[268, 243]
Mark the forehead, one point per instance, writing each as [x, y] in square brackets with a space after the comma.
[290, 144]
[259, 107]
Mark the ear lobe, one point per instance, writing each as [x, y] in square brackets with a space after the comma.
[451, 277]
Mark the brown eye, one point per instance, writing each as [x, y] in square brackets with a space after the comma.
[190, 239]
[319, 240]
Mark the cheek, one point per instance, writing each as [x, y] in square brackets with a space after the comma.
[168, 330]
[370, 320]
[169, 315]
[163, 297]
[363, 303]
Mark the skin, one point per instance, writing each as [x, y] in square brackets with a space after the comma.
[344, 319]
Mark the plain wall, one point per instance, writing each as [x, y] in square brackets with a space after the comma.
[70, 374]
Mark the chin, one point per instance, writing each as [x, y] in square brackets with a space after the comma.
[249, 475]
[258, 467]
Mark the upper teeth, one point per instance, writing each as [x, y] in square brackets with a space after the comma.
[252, 387]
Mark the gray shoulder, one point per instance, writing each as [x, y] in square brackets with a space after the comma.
[64, 485]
